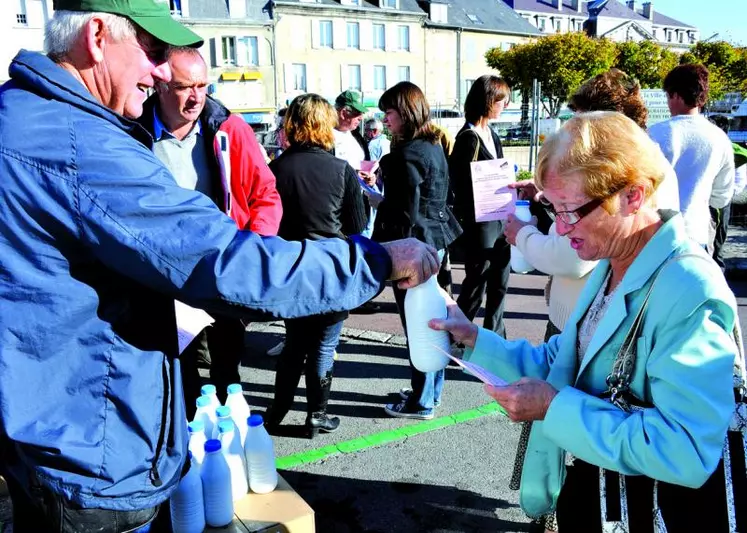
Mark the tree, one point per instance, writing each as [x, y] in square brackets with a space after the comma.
[727, 66]
[645, 61]
[559, 62]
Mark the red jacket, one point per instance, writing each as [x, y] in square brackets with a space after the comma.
[244, 183]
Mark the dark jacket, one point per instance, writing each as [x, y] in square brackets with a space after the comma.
[321, 195]
[245, 187]
[97, 241]
[416, 183]
[476, 234]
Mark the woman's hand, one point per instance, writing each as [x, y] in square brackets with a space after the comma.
[525, 400]
[369, 178]
[459, 326]
[512, 227]
[526, 190]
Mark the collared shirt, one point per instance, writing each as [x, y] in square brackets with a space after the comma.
[186, 159]
[378, 147]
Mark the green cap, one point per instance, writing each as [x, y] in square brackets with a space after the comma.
[153, 16]
[351, 99]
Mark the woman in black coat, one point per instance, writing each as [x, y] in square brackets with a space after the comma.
[487, 254]
[416, 183]
[321, 198]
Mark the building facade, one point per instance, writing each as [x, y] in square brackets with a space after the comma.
[22, 26]
[617, 21]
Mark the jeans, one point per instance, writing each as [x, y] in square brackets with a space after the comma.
[37, 509]
[426, 386]
[721, 219]
[311, 339]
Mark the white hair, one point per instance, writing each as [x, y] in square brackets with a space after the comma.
[65, 27]
[373, 123]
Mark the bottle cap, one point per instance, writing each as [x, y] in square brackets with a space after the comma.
[203, 401]
[189, 455]
[255, 421]
[223, 411]
[235, 388]
[196, 426]
[213, 445]
[519, 203]
[224, 426]
[207, 389]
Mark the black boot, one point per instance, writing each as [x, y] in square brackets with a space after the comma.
[287, 376]
[317, 397]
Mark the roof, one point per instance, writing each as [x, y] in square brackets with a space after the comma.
[492, 16]
[405, 6]
[613, 9]
[663, 20]
[218, 9]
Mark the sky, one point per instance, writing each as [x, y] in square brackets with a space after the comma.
[728, 18]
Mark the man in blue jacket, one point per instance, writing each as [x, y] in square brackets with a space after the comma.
[96, 242]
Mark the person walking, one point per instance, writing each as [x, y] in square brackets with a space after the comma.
[486, 253]
[416, 183]
[321, 199]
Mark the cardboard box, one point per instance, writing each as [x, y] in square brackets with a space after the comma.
[281, 511]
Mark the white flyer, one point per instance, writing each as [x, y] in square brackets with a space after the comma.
[189, 323]
[490, 180]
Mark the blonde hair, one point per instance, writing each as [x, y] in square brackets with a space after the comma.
[310, 121]
[610, 152]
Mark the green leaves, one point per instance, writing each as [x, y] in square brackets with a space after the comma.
[727, 66]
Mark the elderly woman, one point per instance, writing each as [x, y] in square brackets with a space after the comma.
[321, 198]
[600, 173]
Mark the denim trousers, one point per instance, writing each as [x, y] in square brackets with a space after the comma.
[426, 386]
[313, 339]
[37, 509]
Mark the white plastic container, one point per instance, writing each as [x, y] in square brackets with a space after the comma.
[186, 504]
[423, 303]
[206, 413]
[240, 411]
[518, 263]
[210, 391]
[197, 440]
[216, 486]
[260, 457]
[230, 443]
[222, 414]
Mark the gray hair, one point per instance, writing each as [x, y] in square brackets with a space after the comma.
[65, 27]
[373, 123]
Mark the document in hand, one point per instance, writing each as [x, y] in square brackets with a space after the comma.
[476, 370]
[490, 180]
[189, 322]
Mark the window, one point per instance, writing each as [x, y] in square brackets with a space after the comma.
[669, 36]
[466, 87]
[557, 25]
[229, 50]
[379, 78]
[176, 7]
[354, 35]
[351, 2]
[656, 33]
[298, 83]
[404, 73]
[379, 37]
[691, 37]
[440, 13]
[354, 77]
[403, 34]
[681, 36]
[541, 23]
[21, 13]
[248, 54]
[325, 33]
[391, 4]
[474, 19]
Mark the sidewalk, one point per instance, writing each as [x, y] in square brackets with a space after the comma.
[735, 253]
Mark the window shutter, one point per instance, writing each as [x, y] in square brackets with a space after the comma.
[339, 35]
[213, 52]
[315, 41]
[344, 78]
[366, 35]
[392, 38]
[367, 78]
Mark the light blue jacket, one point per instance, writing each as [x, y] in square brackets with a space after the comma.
[684, 368]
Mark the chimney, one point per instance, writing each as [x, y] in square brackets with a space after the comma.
[577, 5]
[558, 4]
[631, 5]
[648, 10]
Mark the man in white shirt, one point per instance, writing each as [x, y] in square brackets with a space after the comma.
[699, 151]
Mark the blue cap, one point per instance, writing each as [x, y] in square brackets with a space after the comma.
[224, 426]
[254, 421]
[522, 203]
[196, 426]
[203, 401]
[213, 445]
[223, 411]
[207, 389]
[235, 388]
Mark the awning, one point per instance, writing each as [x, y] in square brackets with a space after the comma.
[230, 76]
[252, 75]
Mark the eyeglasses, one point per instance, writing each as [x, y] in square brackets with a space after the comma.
[573, 216]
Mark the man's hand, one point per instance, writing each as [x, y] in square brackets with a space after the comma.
[526, 190]
[460, 328]
[368, 177]
[526, 400]
[413, 262]
[512, 227]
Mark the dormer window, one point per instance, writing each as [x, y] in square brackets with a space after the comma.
[389, 4]
[474, 19]
[351, 2]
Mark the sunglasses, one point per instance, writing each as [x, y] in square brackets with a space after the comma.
[574, 216]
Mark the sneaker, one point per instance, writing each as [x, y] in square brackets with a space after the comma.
[400, 410]
[276, 350]
[405, 393]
